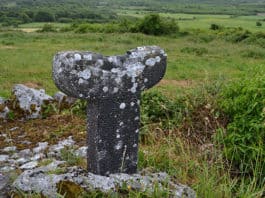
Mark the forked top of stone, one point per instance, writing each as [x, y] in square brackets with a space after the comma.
[89, 75]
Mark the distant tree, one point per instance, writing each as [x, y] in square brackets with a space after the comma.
[44, 16]
[153, 24]
[215, 27]
[258, 24]
[24, 18]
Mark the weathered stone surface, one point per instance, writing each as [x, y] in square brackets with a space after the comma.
[4, 110]
[4, 185]
[112, 85]
[81, 152]
[41, 147]
[40, 181]
[10, 149]
[4, 158]
[29, 165]
[63, 100]
[29, 101]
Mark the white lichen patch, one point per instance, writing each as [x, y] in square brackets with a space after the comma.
[137, 131]
[119, 145]
[99, 63]
[150, 62]
[118, 136]
[88, 57]
[158, 59]
[115, 90]
[136, 118]
[121, 123]
[145, 80]
[80, 81]
[135, 145]
[86, 74]
[134, 88]
[132, 104]
[77, 57]
[122, 106]
[105, 89]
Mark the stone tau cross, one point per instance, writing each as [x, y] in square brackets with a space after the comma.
[112, 86]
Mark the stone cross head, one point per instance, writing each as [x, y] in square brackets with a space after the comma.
[112, 86]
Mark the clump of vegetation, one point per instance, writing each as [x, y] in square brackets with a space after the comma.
[48, 28]
[215, 26]
[153, 24]
[243, 140]
[194, 50]
[258, 24]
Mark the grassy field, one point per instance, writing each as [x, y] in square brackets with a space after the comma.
[203, 21]
[27, 57]
[195, 63]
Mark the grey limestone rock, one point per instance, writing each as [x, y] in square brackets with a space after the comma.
[40, 181]
[30, 101]
[4, 185]
[4, 110]
[112, 85]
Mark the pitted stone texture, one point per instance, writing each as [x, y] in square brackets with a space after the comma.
[89, 75]
[112, 85]
[29, 101]
[4, 110]
[4, 185]
[40, 181]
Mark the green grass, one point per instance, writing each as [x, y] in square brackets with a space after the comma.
[203, 21]
[27, 57]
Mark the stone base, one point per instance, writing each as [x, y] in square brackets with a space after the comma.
[42, 180]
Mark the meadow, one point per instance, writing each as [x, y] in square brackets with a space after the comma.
[179, 125]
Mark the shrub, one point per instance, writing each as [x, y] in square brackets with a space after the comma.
[44, 16]
[157, 108]
[153, 24]
[244, 139]
[48, 28]
[194, 50]
[258, 24]
[215, 27]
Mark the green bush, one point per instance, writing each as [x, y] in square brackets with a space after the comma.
[194, 50]
[48, 28]
[157, 108]
[244, 139]
[153, 24]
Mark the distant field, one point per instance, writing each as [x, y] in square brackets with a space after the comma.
[203, 21]
[27, 57]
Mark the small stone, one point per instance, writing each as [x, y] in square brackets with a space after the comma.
[14, 128]
[22, 161]
[81, 152]
[10, 149]
[25, 153]
[6, 169]
[29, 165]
[41, 147]
[4, 185]
[4, 158]
[67, 142]
[37, 157]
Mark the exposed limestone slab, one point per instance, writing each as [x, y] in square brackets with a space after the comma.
[41, 181]
[29, 101]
